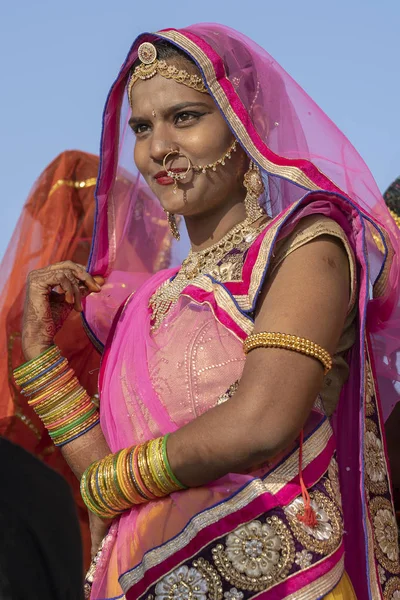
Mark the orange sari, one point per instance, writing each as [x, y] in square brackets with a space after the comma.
[55, 225]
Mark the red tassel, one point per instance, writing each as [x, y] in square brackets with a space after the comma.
[309, 517]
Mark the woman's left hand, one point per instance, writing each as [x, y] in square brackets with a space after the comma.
[98, 531]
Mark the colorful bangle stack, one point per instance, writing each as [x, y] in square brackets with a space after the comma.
[131, 476]
[56, 396]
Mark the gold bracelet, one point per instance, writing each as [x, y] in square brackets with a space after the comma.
[288, 342]
[79, 429]
[145, 472]
[44, 358]
[77, 398]
[158, 468]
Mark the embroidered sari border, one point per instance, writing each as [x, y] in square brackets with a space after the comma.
[252, 499]
[329, 571]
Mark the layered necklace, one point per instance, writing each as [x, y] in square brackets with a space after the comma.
[199, 263]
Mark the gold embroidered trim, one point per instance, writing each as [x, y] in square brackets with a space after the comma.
[373, 581]
[215, 591]
[308, 229]
[224, 300]
[386, 534]
[73, 183]
[392, 586]
[322, 586]
[274, 482]
[395, 217]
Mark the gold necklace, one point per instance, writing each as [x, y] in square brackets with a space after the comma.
[196, 264]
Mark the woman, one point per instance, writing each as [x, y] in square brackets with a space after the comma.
[238, 390]
[56, 223]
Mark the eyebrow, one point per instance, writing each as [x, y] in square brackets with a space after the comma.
[134, 120]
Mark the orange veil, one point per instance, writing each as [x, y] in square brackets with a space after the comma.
[55, 225]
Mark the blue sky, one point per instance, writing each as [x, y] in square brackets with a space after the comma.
[58, 60]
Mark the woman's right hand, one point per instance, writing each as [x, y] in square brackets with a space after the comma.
[52, 293]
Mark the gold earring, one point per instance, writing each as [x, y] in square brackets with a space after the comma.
[255, 187]
[173, 227]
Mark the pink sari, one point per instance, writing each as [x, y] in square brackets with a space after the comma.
[239, 537]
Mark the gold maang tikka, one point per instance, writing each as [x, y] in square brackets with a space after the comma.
[150, 66]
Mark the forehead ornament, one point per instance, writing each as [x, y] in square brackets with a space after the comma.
[150, 66]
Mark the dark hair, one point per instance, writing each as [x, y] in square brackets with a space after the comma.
[165, 51]
[392, 197]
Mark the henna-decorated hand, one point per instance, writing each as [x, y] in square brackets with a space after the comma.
[52, 293]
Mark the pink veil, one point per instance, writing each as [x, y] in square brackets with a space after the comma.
[298, 150]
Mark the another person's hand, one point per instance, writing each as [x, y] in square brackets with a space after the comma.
[52, 293]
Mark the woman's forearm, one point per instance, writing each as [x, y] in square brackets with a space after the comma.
[85, 450]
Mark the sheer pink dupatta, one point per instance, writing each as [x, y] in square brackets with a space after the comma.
[298, 150]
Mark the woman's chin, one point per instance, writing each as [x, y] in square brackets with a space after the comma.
[173, 202]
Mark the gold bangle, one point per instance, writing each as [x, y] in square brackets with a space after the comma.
[288, 342]
[77, 399]
[71, 402]
[145, 473]
[154, 467]
[39, 369]
[161, 474]
[36, 363]
[66, 437]
[46, 397]
[113, 497]
[44, 379]
[54, 396]
[127, 485]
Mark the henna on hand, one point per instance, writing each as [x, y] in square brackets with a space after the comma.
[52, 293]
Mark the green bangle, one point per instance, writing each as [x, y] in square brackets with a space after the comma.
[115, 477]
[86, 495]
[73, 424]
[168, 466]
[17, 369]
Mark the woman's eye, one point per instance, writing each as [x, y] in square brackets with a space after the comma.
[140, 128]
[186, 116]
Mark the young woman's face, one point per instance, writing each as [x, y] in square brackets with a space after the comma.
[168, 116]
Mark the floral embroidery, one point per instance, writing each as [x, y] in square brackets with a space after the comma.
[392, 589]
[211, 576]
[326, 535]
[233, 594]
[182, 584]
[382, 574]
[333, 474]
[370, 391]
[256, 555]
[385, 530]
[303, 559]
[375, 463]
